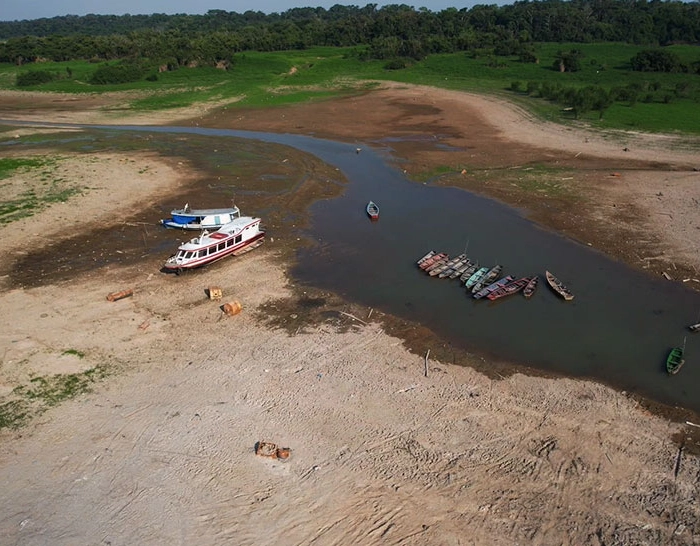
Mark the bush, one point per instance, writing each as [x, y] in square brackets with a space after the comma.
[657, 60]
[118, 73]
[35, 77]
[395, 64]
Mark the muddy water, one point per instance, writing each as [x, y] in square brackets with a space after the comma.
[618, 329]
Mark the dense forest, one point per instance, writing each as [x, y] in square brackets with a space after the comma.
[393, 31]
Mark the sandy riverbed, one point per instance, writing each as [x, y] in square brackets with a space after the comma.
[385, 450]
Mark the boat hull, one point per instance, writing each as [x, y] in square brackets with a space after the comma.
[558, 287]
[234, 238]
[236, 250]
[529, 290]
[373, 210]
[675, 360]
[199, 219]
[508, 289]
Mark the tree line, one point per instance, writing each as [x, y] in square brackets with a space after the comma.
[393, 31]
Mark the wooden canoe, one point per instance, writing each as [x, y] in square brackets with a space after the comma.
[558, 287]
[510, 288]
[531, 286]
[675, 360]
[373, 210]
[428, 255]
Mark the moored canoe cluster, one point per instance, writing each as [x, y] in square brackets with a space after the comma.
[485, 281]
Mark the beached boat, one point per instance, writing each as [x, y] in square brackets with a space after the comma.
[425, 264]
[234, 238]
[493, 286]
[675, 359]
[428, 255]
[373, 210]
[694, 327]
[491, 275]
[558, 286]
[187, 218]
[510, 288]
[531, 286]
[476, 277]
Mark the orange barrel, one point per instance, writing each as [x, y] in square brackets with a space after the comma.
[232, 308]
[114, 296]
[283, 453]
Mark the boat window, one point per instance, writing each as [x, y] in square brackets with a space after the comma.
[202, 253]
[238, 238]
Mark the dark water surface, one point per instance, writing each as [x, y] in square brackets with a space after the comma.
[618, 329]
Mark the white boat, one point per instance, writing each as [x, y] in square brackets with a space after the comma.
[187, 218]
[235, 238]
[373, 210]
[428, 255]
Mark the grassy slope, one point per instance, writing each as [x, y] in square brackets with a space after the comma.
[270, 79]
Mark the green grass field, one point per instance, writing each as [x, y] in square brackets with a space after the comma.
[666, 103]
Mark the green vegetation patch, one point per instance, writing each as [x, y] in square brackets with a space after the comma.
[35, 77]
[8, 165]
[20, 200]
[44, 392]
[14, 414]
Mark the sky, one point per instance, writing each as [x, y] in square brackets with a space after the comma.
[16, 10]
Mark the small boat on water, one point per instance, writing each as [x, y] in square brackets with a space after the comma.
[437, 264]
[459, 270]
[459, 261]
[468, 272]
[428, 255]
[508, 289]
[531, 286]
[187, 218]
[491, 275]
[558, 286]
[234, 238]
[694, 327]
[438, 271]
[675, 359]
[476, 277]
[425, 264]
[373, 210]
[493, 286]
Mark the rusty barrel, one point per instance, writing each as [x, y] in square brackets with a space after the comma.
[232, 308]
[114, 296]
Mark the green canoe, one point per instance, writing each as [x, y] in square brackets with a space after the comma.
[674, 360]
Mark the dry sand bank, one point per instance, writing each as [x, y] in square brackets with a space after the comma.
[162, 450]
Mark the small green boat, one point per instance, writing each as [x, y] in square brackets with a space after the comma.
[675, 360]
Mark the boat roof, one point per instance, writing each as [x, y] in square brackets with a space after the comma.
[227, 230]
[205, 212]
